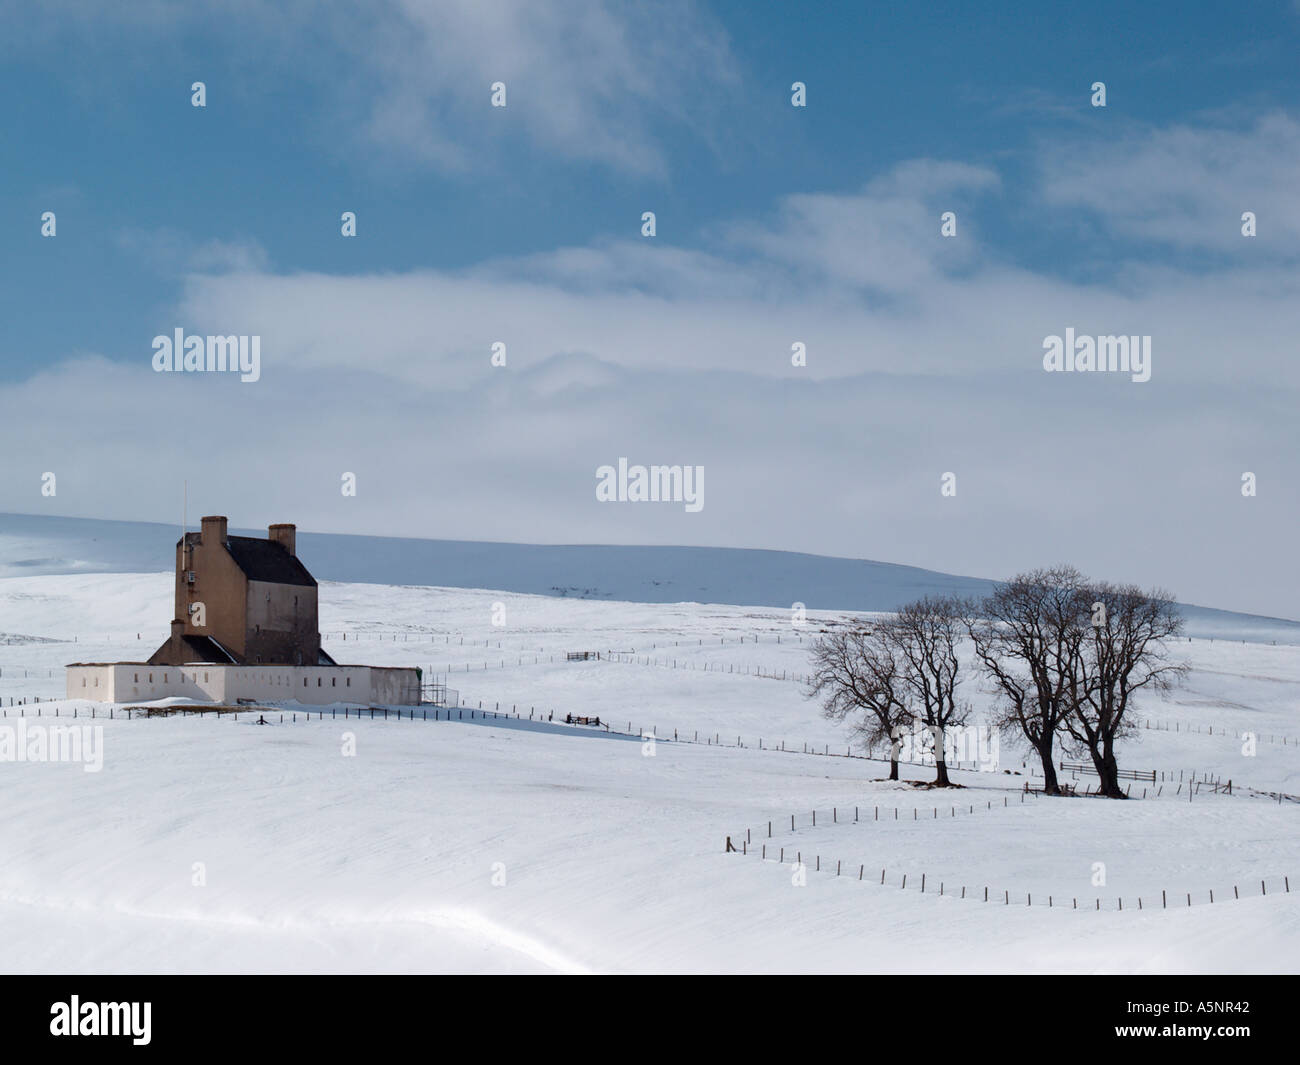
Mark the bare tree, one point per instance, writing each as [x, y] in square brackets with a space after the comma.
[1028, 637]
[924, 636]
[1123, 652]
[856, 676]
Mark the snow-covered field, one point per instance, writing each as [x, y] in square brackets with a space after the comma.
[472, 845]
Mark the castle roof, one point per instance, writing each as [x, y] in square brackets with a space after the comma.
[266, 560]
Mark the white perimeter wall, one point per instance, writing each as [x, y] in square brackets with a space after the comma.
[117, 682]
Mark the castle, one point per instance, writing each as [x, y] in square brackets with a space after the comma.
[242, 600]
[245, 629]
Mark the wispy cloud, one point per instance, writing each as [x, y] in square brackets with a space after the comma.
[887, 237]
[170, 251]
[593, 81]
[1187, 185]
[586, 80]
[924, 356]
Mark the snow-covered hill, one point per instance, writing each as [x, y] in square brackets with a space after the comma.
[518, 845]
[32, 545]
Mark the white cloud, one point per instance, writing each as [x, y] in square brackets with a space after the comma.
[587, 80]
[665, 355]
[1134, 482]
[1187, 186]
[171, 251]
[888, 237]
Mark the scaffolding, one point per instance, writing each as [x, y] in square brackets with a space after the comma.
[436, 693]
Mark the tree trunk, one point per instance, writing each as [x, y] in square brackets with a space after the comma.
[1109, 770]
[1050, 785]
[941, 772]
[893, 769]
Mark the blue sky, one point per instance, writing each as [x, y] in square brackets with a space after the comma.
[775, 224]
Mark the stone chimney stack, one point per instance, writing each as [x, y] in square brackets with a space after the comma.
[284, 534]
[212, 530]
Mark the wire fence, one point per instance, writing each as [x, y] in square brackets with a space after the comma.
[818, 863]
[1218, 730]
[480, 712]
[770, 673]
[303, 714]
[872, 814]
[404, 635]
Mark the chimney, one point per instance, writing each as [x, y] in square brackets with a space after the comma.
[178, 628]
[212, 530]
[284, 534]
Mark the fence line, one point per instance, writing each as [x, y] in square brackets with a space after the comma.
[837, 867]
[721, 641]
[399, 713]
[714, 739]
[864, 815]
[1218, 730]
[689, 664]
[443, 713]
[1280, 796]
[711, 739]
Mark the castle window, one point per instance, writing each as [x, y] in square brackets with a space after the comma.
[83, 682]
[334, 682]
[137, 678]
[150, 678]
[304, 682]
[349, 682]
[318, 682]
